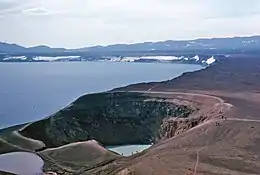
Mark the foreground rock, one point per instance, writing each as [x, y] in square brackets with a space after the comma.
[76, 158]
[230, 148]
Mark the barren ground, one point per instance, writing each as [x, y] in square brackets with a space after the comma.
[216, 146]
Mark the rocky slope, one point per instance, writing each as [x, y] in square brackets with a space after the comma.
[76, 157]
[175, 126]
[117, 118]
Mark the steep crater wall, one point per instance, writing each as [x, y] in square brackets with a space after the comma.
[117, 118]
[174, 126]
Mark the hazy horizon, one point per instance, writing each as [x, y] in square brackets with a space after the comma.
[83, 23]
[104, 45]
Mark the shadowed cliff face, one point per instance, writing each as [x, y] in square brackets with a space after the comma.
[111, 118]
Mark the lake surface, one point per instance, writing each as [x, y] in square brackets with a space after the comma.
[129, 149]
[31, 91]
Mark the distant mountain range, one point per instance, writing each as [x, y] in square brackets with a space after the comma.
[211, 45]
[6, 48]
[236, 43]
[199, 51]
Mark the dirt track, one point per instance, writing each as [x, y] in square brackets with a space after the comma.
[228, 148]
[214, 120]
[207, 149]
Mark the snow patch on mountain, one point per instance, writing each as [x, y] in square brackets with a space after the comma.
[197, 58]
[16, 58]
[162, 58]
[210, 60]
[130, 59]
[43, 58]
[113, 59]
[185, 59]
[249, 41]
[187, 45]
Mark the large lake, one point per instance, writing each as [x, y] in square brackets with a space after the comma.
[31, 91]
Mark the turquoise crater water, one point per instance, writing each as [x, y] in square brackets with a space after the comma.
[129, 150]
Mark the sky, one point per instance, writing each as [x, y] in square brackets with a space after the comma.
[81, 23]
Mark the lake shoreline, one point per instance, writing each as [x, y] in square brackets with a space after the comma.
[43, 107]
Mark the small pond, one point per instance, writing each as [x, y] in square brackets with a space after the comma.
[128, 150]
[21, 163]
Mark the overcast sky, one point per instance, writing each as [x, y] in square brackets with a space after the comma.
[79, 23]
